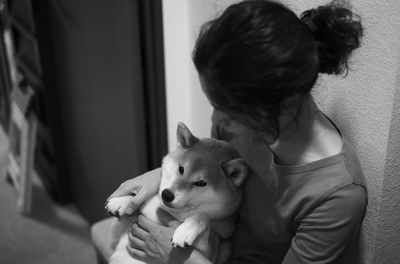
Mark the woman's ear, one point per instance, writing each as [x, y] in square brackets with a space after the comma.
[185, 137]
[236, 170]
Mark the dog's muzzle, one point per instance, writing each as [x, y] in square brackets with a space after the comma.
[167, 196]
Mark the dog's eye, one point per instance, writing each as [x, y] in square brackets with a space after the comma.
[200, 183]
[181, 169]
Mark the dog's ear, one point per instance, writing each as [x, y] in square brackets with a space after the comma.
[185, 137]
[236, 170]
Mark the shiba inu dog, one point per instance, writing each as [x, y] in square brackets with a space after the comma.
[200, 187]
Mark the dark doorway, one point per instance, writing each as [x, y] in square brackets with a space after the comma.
[103, 94]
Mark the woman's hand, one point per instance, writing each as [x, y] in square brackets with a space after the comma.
[143, 187]
[151, 242]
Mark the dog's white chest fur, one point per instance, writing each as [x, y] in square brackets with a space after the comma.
[150, 209]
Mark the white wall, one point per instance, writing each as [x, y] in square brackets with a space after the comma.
[388, 238]
[185, 100]
[362, 104]
[178, 65]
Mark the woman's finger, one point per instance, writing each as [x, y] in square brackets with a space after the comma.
[145, 223]
[137, 201]
[173, 223]
[135, 242]
[135, 253]
[138, 232]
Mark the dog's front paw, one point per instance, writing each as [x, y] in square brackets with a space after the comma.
[119, 206]
[185, 235]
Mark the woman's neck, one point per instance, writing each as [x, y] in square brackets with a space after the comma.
[309, 137]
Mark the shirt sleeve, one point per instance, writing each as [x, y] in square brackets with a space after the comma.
[324, 235]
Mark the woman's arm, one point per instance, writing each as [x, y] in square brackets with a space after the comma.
[143, 187]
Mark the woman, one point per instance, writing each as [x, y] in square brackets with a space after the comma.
[306, 197]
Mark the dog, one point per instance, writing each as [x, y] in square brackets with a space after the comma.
[200, 187]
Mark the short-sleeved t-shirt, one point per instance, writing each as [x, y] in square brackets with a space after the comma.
[309, 213]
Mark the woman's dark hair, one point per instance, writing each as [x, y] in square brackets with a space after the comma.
[258, 52]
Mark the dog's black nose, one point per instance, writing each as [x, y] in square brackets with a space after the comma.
[167, 196]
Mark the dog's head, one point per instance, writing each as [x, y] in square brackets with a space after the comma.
[201, 175]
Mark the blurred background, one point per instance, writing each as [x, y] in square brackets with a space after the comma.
[91, 92]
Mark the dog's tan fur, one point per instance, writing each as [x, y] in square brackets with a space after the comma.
[199, 209]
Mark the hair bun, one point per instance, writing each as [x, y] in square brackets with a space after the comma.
[337, 32]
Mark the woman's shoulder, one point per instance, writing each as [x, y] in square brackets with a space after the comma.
[353, 164]
[351, 197]
[344, 207]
